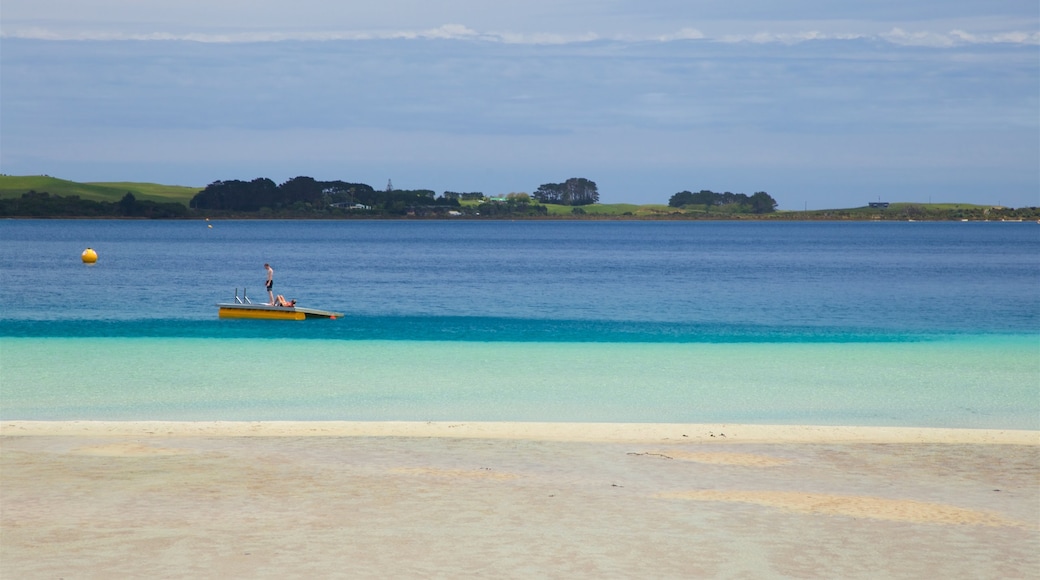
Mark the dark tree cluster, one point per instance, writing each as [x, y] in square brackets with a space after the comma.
[308, 194]
[760, 202]
[574, 191]
[260, 193]
[43, 204]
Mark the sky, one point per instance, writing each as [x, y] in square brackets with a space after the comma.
[822, 104]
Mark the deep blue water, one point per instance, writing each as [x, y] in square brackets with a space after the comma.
[854, 323]
[527, 280]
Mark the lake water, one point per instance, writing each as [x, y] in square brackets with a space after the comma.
[916, 324]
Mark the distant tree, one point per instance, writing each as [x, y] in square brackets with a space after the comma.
[680, 199]
[740, 200]
[706, 198]
[302, 189]
[581, 191]
[447, 201]
[574, 191]
[128, 205]
[344, 192]
[703, 197]
[228, 195]
[762, 202]
[549, 193]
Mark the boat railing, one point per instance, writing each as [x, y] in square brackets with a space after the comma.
[244, 299]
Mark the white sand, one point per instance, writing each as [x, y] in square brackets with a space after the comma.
[515, 500]
[593, 432]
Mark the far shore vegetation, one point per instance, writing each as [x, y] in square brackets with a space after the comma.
[41, 196]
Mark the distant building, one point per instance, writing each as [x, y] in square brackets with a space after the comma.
[879, 204]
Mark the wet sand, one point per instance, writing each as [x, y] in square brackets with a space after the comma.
[323, 499]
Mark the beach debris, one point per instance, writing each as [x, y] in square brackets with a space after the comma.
[648, 453]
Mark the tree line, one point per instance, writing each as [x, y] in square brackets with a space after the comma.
[309, 193]
[303, 196]
[306, 193]
[760, 202]
[43, 204]
[575, 191]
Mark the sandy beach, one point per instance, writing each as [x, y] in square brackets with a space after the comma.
[398, 499]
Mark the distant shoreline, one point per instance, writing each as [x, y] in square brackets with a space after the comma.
[44, 197]
[779, 217]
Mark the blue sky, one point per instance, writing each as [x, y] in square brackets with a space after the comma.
[820, 103]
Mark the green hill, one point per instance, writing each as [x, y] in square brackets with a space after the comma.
[13, 186]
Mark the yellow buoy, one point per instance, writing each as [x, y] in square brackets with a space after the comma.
[89, 256]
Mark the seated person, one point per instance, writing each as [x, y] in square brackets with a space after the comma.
[281, 301]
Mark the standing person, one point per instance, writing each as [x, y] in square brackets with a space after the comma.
[270, 283]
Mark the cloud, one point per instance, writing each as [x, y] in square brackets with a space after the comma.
[958, 37]
[459, 32]
[446, 32]
[789, 37]
[684, 34]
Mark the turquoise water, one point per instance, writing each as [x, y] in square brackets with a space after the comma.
[859, 324]
[963, 383]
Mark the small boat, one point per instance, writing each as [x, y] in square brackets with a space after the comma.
[244, 308]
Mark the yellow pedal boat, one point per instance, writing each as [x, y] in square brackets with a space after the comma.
[244, 308]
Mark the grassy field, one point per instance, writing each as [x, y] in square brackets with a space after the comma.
[15, 186]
